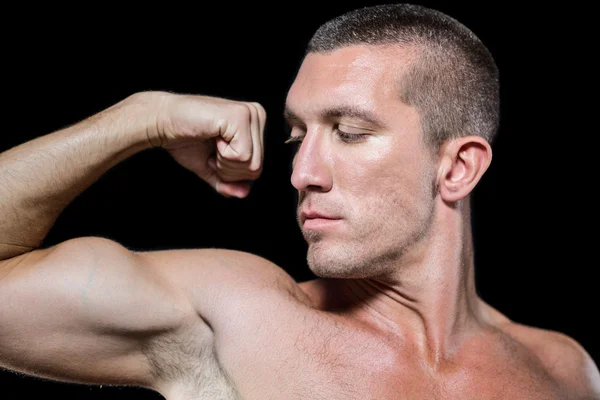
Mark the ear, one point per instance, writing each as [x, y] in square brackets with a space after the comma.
[463, 162]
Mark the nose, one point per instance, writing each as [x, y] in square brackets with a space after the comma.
[312, 164]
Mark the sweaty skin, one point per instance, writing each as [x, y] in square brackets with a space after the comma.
[394, 314]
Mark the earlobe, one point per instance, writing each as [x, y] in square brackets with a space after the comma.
[464, 161]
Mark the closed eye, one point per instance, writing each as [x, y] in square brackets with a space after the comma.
[350, 137]
[345, 136]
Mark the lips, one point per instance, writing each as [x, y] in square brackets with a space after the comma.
[316, 220]
[304, 215]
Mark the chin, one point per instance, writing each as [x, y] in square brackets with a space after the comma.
[347, 261]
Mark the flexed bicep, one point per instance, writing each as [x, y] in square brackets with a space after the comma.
[88, 311]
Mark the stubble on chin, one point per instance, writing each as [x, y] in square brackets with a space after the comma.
[330, 261]
[311, 236]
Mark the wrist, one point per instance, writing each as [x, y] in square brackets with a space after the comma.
[146, 109]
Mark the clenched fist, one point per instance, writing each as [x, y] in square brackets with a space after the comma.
[219, 140]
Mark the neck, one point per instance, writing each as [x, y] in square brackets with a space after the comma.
[430, 297]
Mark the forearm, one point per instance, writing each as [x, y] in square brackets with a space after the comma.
[38, 179]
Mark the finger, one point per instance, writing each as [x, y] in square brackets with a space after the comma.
[240, 173]
[235, 189]
[226, 189]
[230, 171]
[262, 118]
[235, 142]
[210, 176]
[257, 149]
[253, 122]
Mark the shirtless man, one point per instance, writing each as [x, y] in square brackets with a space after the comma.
[393, 111]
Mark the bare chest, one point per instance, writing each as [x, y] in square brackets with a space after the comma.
[322, 359]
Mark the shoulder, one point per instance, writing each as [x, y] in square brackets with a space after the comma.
[216, 278]
[562, 357]
[256, 272]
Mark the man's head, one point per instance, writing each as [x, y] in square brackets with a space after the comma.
[453, 80]
[418, 94]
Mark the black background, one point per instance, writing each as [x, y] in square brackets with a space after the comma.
[534, 249]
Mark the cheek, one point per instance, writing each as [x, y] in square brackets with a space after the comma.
[366, 189]
[363, 167]
[383, 181]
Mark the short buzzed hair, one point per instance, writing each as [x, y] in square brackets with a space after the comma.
[453, 82]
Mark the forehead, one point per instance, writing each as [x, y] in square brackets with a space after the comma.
[360, 76]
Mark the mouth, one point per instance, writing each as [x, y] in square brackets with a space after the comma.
[316, 221]
[320, 223]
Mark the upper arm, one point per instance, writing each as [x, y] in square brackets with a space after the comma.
[229, 286]
[86, 310]
[89, 310]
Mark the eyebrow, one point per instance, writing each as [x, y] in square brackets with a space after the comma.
[338, 112]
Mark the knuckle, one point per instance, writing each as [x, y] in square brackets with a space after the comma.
[243, 111]
[260, 109]
[255, 169]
